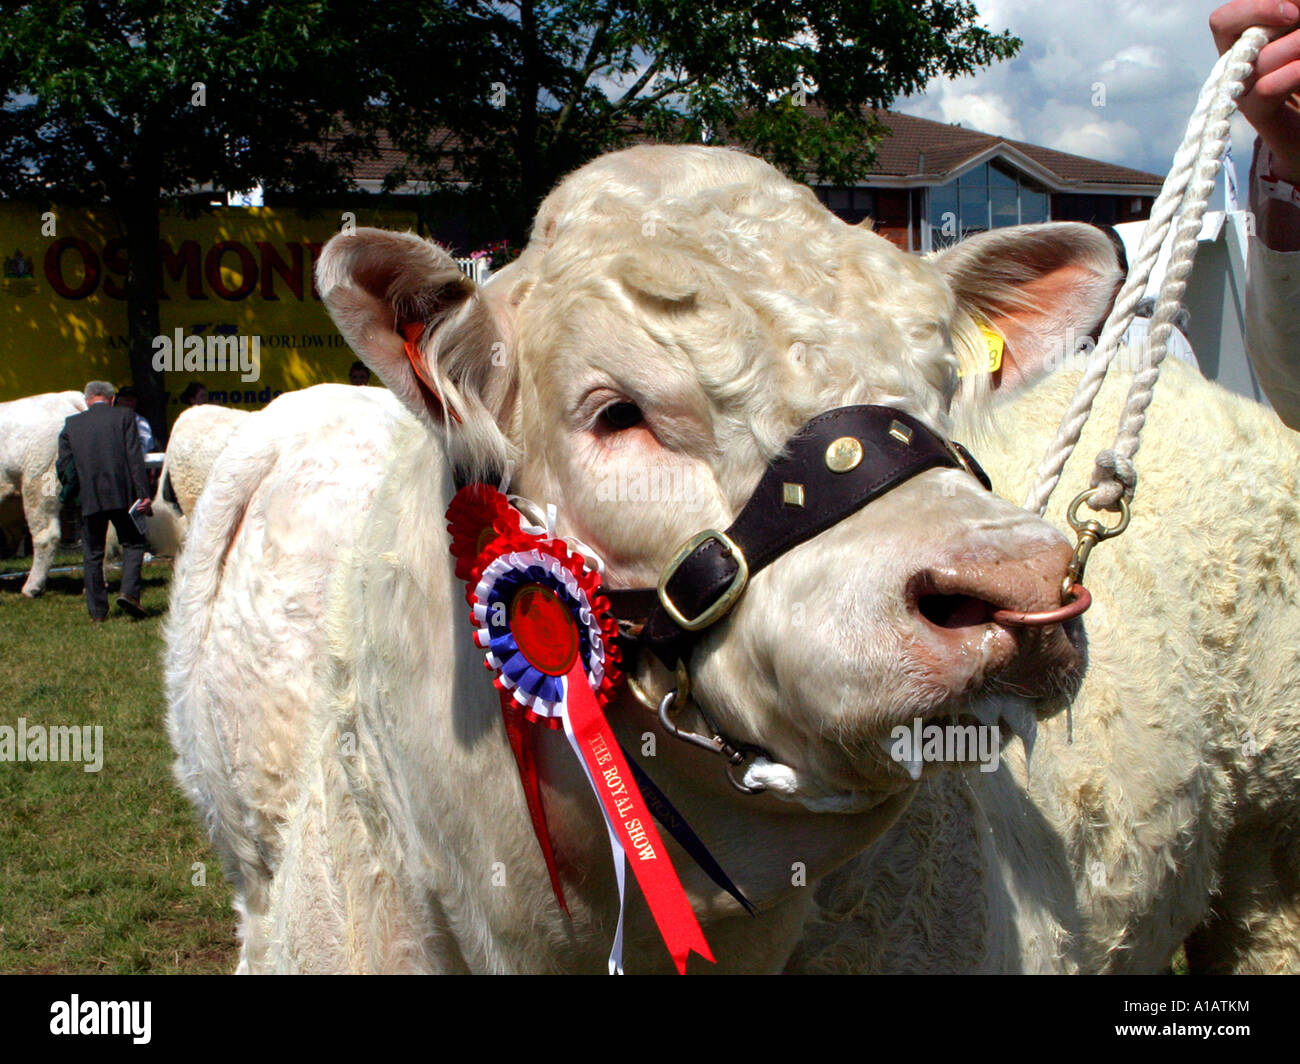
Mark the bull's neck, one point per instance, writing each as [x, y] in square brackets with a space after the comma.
[775, 852]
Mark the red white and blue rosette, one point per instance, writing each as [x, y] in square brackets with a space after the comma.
[531, 605]
[548, 636]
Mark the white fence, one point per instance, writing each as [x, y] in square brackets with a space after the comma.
[475, 269]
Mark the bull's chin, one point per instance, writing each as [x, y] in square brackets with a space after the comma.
[962, 733]
[967, 734]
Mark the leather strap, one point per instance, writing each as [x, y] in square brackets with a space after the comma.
[800, 495]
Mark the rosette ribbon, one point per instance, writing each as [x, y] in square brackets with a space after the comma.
[548, 635]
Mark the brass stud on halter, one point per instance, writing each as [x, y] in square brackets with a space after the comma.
[845, 454]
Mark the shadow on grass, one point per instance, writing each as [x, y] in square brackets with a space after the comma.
[156, 575]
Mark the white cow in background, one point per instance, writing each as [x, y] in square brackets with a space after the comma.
[356, 779]
[199, 435]
[300, 472]
[29, 484]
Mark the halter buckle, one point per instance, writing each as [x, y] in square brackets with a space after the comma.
[728, 597]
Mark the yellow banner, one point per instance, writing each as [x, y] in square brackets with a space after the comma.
[236, 283]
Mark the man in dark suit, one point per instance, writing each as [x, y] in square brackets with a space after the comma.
[101, 449]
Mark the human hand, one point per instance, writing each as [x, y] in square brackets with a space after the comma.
[1271, 102]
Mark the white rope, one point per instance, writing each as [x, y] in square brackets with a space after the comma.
[1185, 195]
[790, 785]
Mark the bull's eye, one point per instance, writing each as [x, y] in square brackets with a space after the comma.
[620, 416]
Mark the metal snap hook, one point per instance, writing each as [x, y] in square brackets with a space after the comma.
[715, 745]
[736, 756]
[1090, 532]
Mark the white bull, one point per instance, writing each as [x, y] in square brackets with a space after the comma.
[1173, 813]
[365, 800]
[303, 499]
[29, 485]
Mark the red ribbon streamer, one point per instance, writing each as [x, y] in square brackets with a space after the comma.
[523, 742]
[627, 812]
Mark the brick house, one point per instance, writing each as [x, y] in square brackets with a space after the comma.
[934, 183]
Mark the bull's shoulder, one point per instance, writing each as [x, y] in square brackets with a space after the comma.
[40, 409]
[326, 415]
[1194, 430]
[195, 421]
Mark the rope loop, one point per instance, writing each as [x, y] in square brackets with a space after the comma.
[1114, 478]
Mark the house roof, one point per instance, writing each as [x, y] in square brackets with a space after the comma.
[919, 151]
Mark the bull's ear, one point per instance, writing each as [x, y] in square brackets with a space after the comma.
[1042, 288]
[428, 331]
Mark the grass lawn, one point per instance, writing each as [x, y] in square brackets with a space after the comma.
[97, 869]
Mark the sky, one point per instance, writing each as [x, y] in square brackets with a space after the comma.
[1141, 63]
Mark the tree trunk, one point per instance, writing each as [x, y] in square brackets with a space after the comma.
[139, 211]
[526, 145]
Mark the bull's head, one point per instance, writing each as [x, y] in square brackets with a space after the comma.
[679, 313]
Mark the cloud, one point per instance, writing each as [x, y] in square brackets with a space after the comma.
[1095, 139]
[989, 114]
[1148, 59]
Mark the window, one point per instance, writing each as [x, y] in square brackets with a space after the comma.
[1034, 206]
[851, 204]
[1095, 210]
[974, 201]
[988, 197]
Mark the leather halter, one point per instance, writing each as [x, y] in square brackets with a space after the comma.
[831, 468]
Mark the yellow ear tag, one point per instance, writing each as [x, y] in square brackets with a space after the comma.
[994, 344]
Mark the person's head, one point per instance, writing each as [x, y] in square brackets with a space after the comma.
[125, 397]
[359, 374]
[195, 394]
[98, 392]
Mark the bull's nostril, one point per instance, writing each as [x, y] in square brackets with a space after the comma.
[954, 611]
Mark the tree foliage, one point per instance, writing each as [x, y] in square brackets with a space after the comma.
[129, 97]
[522, 92]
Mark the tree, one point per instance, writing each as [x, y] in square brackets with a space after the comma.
[139, 103]
[522, 92]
